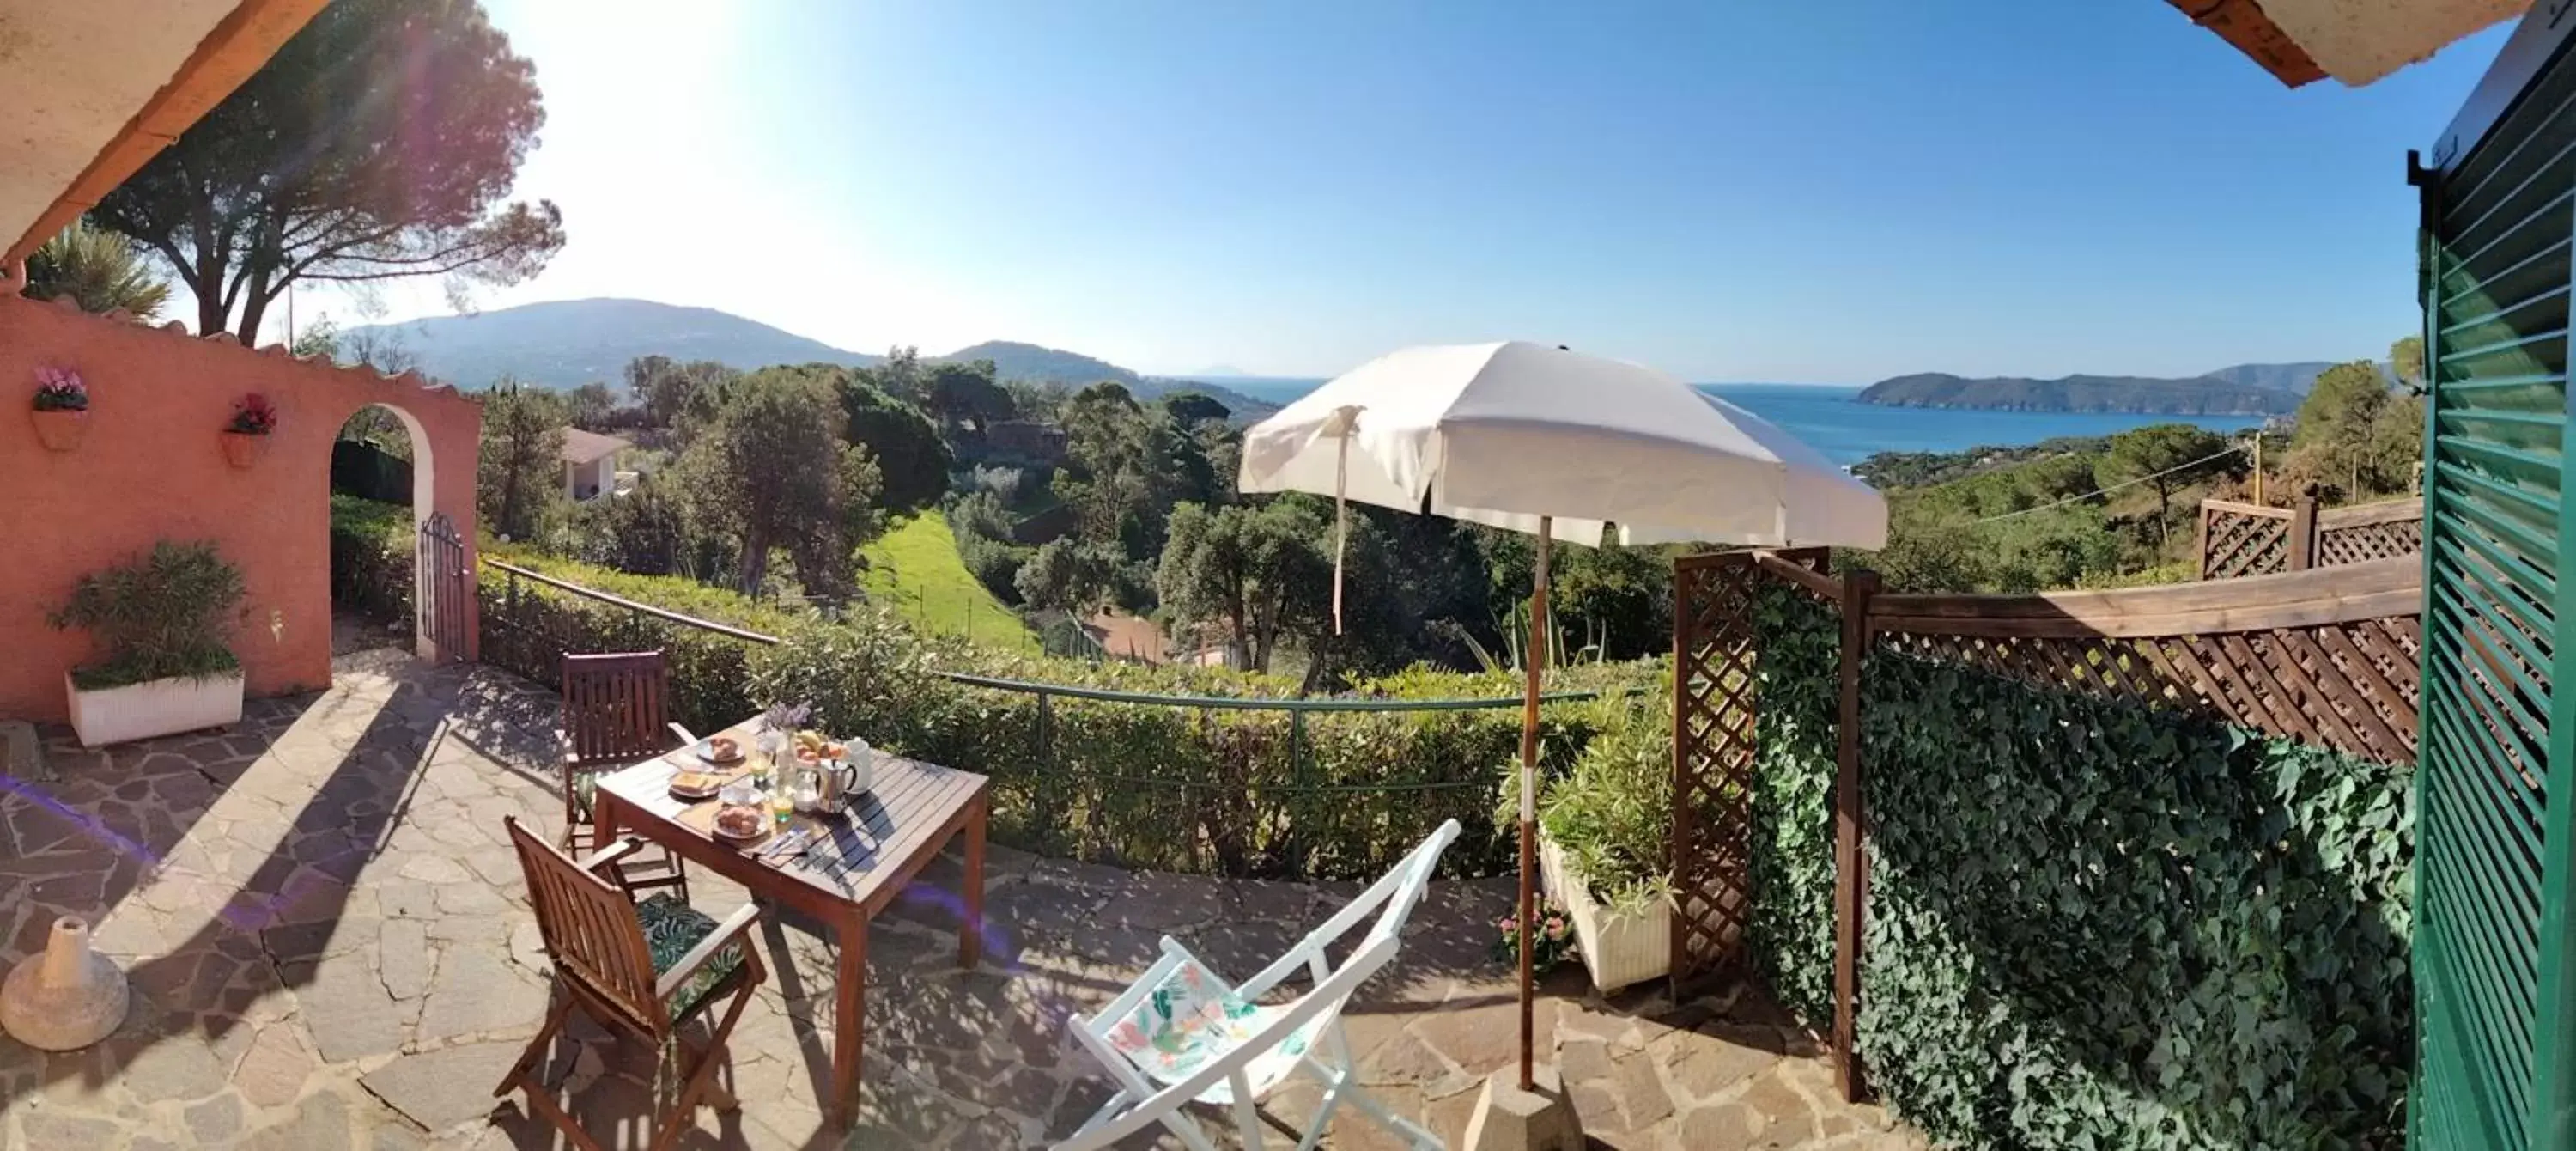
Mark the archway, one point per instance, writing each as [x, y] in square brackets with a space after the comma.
[383, 500]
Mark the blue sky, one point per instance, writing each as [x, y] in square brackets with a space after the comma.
[1800, 192]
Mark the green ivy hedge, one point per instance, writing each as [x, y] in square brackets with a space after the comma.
[1211, 790]
[2091, 923]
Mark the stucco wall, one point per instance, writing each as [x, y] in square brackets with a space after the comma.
[153, 468]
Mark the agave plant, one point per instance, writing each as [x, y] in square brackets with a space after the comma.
[98, 270]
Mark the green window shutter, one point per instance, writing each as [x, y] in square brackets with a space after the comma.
[2496, 803]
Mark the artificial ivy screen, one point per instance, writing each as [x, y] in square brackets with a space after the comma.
[2091, 923]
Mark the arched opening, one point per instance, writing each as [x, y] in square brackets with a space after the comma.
[382, 480]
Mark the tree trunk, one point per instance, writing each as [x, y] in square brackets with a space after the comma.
[755, 560]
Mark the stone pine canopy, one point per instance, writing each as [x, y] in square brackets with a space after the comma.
[2354, 41]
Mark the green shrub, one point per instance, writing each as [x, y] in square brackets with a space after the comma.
[1205, 789]
[1612, 813]
[2091, 923]
[160, 616]
[371, 557]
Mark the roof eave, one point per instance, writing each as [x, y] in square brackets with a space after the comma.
[237, 46]
[2243, 24]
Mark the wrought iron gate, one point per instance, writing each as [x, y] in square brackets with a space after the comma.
[2496, 770]
[446, 588]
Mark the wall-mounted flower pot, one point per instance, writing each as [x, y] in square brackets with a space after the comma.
[61, 430]
[244, 448]
[154, 707]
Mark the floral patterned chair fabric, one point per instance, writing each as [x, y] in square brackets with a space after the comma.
[1182, 1034]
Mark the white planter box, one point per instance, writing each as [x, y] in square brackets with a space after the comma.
[1617, 949]
[156, 707]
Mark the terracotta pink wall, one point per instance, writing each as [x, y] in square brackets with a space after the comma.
[153, 468]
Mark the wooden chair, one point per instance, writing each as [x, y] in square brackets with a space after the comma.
[616, 713]
[645, 969]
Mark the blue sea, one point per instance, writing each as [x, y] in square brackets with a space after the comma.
[1832, 420]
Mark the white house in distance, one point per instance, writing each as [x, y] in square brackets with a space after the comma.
[590, 463]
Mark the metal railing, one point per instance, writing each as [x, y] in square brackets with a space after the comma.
[640, 611]
[1326, 802]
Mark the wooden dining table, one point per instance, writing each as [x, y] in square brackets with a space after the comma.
[861, 858]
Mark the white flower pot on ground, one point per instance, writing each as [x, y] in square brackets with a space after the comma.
[154, 707]
[1618, 949]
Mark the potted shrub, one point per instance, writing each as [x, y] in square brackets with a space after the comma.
[1605, 841]
[247, 435]
[160, 622]
[61, 408]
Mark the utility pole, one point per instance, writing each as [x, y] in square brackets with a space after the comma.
[2258, 467]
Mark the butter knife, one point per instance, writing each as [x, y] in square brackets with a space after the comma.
[777, 849]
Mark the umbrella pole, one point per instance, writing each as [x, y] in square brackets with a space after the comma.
[1533, 657]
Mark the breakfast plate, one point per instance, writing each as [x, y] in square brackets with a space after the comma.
[740, 824]
[694, 785]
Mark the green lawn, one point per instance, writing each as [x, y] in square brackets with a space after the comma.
[914, 569]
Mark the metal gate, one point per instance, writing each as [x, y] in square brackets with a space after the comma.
[446, 587]
[2496, 779]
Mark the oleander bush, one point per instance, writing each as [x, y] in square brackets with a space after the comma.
[2090, 923]
[1207, 789]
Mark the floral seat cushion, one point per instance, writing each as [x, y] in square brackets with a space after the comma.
[671, 928]
[1192, 1017]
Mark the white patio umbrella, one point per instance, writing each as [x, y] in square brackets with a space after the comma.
[1539, 439]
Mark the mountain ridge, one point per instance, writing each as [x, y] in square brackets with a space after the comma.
[563, 344]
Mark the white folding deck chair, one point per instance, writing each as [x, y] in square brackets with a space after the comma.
[1181, 1034]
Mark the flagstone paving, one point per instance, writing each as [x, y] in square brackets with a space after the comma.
[330, 947]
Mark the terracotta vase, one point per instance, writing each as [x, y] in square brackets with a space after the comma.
[61, 430]
[244, 448]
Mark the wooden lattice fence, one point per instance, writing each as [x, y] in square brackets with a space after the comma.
[2327, 656]
[2240, 539]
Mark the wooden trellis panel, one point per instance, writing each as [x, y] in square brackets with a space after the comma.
[2239, 539]
[1714, 658]
[1713, 666]
[2242, 539]
[2370, 532]
[2327, 656]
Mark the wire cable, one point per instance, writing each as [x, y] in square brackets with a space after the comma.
[2233, 449]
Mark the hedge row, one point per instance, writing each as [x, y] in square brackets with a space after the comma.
[2090, 923]
[1211, 790]
[371, 558]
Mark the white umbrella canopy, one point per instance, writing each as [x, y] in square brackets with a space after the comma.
[1503, 434]
[1538, 439]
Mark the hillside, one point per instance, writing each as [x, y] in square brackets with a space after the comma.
[2297, 377]
[914, 570]
[567, 343]
[1018, 361]
[2199, 396]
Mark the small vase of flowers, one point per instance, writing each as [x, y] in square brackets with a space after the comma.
[61, 408]
[246, 437]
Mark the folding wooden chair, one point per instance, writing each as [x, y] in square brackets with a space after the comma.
[615, 714]
[1182, 1035]
[643, 968]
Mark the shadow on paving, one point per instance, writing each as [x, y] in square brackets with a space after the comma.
[144, 838]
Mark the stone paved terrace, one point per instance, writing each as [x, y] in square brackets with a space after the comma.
[330, 947]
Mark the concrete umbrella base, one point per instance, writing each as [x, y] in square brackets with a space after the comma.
[67, 998]
[1510, 1119]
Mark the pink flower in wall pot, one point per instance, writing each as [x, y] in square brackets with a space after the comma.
[60, 408]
